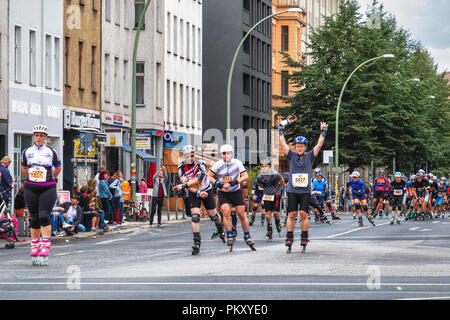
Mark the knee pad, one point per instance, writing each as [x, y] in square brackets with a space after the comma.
[195, 218]
[358, 206]
[365, 208]
[214, 218]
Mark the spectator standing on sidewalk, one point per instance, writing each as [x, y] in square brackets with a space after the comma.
[143, 188]
[159, 193]
[6, 180]
[105, 194]
[117, 203]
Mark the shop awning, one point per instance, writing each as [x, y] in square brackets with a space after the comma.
[141, 154]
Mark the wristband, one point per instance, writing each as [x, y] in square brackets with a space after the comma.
[198, 194]
[324, 132]
[233, 183]
[219, 184]
[281, 130]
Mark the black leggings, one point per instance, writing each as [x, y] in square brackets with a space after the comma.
[40, 201]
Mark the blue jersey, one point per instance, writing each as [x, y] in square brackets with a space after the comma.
[358, 187]
[319, 186]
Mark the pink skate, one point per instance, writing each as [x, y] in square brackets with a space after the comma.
[45, 251]
[35, 249]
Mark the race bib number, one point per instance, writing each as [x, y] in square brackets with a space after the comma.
[300, 180]
[37, 174]
[268, 198]
[317, 193]
[227, 179]
[398, 192]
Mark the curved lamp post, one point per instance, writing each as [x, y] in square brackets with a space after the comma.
[339, 104]
[230, 76]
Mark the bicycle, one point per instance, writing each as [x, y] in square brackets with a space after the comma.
[133, 213]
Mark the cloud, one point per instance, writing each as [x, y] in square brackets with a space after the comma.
[427, 22]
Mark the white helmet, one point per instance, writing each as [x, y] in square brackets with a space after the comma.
[317, 170]
[226, 148]
[40, 128]
[188, 149]
[356, 174]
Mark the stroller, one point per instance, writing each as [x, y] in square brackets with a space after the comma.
[7, 225]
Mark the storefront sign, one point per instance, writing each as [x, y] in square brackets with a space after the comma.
[85, 149]
[143, 143]
[116, 119]
[77, 120]
[113, 138]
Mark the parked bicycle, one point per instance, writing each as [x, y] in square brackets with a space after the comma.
[135, 213]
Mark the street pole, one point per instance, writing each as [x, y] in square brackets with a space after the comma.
[230, 76]
[133, 109]
[339, 104]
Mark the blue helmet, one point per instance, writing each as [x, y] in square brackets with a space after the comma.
[301, 139]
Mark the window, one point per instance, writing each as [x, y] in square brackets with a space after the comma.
[32, 58]
[80, 65]
[188, 41]
[158, 85]
[117, 12]
[182, 38]
[193, 108]
[181, 105]
[116, 81]
[284, 38]
[175, 102]
[140, 94]
[107, 78]
[138, 9]
[246, 84]
[199, 41]
[194, 47]
[126, 14]
[258, 55]
[246, 45]
[199, 111]
[1, 56]
[175, 37]
[284, 83]
[168, 33]
[168, 106]
[66, 60]
[17, 53]
[108, 10]
[189, 115]
[159, 16]
[94, 5]
[48, 61]
[126, 84]
[93, 78]
[56, 63]
[246, 5]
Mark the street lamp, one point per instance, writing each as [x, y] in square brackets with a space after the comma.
[230, 76]
[133, 108]
[339, 104]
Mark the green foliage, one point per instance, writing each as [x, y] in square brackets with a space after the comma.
[383, 113]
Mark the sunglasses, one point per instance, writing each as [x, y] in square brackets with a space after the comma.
[225, 153]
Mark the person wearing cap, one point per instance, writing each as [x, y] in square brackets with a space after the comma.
[7, 180]
[398, 190]
[41, 166]
[227, 174]
[380, 188]
[359, 198]
[73, 215]
[299, 184]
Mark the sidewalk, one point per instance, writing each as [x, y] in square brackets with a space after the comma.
[165, 219]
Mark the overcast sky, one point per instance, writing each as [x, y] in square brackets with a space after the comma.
[427, 20]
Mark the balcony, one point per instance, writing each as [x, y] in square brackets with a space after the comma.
[290, 3]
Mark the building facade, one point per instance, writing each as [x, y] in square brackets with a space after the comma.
[119, 24]
[225, 24]
[4, 58]
[291, 34]
[82, 91]
[35, 75]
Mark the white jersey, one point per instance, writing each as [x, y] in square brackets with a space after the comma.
[228, 171]
[197, 170]
[40, 161]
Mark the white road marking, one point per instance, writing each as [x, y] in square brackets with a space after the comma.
[425, 230]
[111, 241]
[414, 228]
[350, 231]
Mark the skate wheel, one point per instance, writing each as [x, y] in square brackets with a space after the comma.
[253, 248]
[7, 246]
[269, 239]
[303, 249]
[289, 249]
[230, 248]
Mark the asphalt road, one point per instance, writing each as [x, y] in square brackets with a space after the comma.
[343, 261]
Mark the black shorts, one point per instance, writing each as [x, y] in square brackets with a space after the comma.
[273, 205]
[209, 202]
[397, 202]
[234, 199]
[295, 199]
[378, 195]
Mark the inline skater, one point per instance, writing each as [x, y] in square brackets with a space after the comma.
[194, 178]
[299, 185]
[419, 191]
[230, 174]
[359, 199]
[434, 186]
[327, 198]
[271, 183]
[349, 192]
[257, 197]
[398, 191]
[41, 166]
[318, 198]
[441, 197]
[380, 185]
